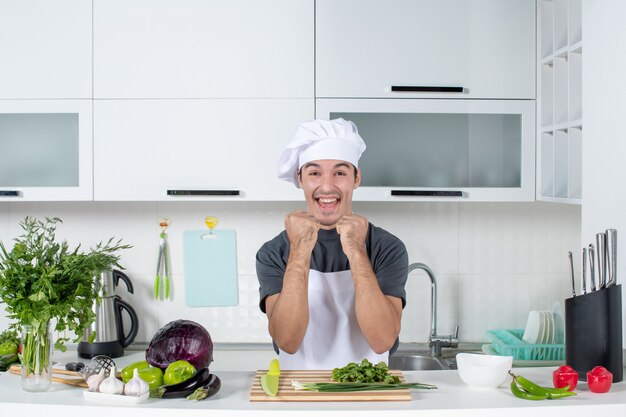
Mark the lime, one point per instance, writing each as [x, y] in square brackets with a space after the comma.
[178, 371]
[269, 383]
[274, 367]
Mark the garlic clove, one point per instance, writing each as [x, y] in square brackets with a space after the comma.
[94, 381]
[136, 387]
[112, 385]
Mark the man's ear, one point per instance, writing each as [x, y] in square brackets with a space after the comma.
[299, 177]
[357, 180]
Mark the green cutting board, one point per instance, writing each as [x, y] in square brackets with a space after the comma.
[210, 268]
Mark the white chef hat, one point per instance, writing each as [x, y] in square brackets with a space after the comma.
[320, 139]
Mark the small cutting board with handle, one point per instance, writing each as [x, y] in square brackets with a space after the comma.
[210, 268]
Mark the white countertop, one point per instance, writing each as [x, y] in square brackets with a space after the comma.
[449, 399]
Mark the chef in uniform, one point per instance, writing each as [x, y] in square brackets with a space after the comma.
[331, 284]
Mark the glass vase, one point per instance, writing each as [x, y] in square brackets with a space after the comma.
[36, 357]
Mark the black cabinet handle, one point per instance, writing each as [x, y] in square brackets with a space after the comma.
[186, 193]
[425, 89]
[426, 193]
[9, 193]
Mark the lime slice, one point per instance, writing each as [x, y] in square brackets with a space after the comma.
[274, 367]
[269, 383]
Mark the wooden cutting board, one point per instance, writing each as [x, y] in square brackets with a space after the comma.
[287, 393]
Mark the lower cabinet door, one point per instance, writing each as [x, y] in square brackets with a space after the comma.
[186, 150]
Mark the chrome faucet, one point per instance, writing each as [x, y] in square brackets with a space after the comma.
[435, 341]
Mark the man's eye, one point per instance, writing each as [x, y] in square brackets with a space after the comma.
[313, 173]
[340, 173]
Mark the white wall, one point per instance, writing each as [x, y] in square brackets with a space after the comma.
[494, 261]
[604, 112]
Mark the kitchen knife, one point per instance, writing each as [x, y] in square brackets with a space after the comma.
[611, 257]
[583, 274]
[571, 272]
[592, 268]
[601, 265]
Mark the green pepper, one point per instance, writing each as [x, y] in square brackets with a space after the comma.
[127, 372]
[178, 371]
[152, 375]
[8, 348]
[528, 390]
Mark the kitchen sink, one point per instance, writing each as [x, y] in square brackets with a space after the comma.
[417, 362]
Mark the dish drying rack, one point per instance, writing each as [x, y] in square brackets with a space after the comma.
[508, 342]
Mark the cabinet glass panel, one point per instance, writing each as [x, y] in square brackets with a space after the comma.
[39, 149]
[439, 149]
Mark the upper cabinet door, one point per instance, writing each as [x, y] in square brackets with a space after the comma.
[190, 150]
[46, 150]
[485, 48]
[203, 48]
[45, 49]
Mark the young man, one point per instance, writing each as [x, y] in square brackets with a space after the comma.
[331, 284]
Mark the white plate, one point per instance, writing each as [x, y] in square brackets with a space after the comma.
[532, 331]
[559, 323]
[112, 398]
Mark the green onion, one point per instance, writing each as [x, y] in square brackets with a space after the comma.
[357, 386]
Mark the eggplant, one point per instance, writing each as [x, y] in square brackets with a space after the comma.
[184, 388]
[208, 390]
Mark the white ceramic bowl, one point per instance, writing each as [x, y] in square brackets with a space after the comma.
[484, 371]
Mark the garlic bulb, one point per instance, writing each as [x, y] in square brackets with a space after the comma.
[112, 385]
[136, 387]
[94, 381]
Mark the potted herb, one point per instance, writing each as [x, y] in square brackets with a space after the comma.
[43, 282]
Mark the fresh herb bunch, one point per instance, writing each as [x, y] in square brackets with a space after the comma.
[9, 336]
[365, 372]
[42, 280]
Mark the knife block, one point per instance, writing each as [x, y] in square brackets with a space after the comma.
[593, 331]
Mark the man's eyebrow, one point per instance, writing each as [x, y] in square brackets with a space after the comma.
[342, 164]
[310, 164]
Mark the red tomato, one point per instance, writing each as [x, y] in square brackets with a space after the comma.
[599, 379]
[565, 376]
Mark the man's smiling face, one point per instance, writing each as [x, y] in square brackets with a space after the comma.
[328, 186]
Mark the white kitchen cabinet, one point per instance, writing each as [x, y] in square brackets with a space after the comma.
[45, 49]
[45, 150]
[485, 48]
[559, 87]
[442, 150]
[203, 48]
[169, 150]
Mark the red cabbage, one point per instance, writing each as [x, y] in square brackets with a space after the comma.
[180, 340]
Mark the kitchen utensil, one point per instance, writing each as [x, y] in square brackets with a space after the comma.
[611, 254]
[75, 382]
[287, 393]
[484, 371]
[583, 275]
[110, 336]
[163, 263]
[571, 272]
[592, 268]
[601, 252]
[210, 268]
[96, 364]
[593, 331]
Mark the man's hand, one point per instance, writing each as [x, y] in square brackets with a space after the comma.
[352, 230]
[302, 229]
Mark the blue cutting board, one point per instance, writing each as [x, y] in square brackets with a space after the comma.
[210, 268]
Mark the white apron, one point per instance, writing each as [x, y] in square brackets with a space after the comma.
[333, 337]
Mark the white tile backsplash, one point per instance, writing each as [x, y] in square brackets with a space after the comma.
[493, 261]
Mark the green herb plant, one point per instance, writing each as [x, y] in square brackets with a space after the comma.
[365, 372]
[42, 280]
